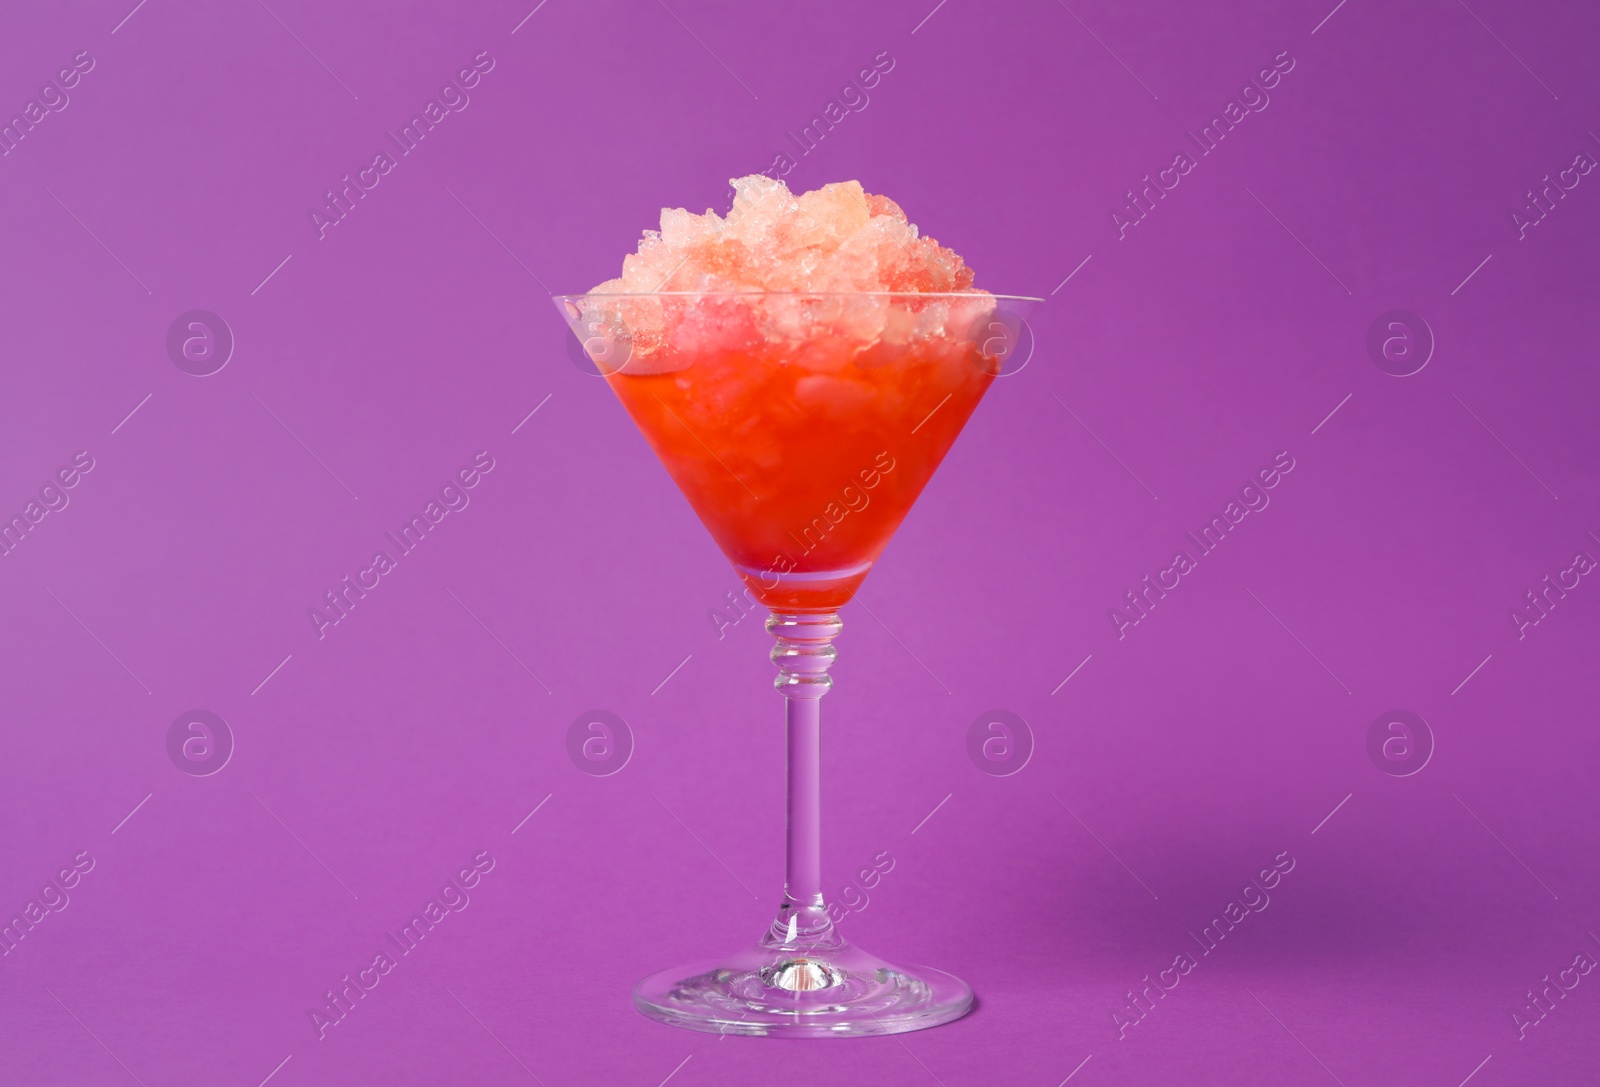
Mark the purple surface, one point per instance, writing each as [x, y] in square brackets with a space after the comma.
[1228, 726]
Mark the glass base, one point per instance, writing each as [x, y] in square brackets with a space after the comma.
[815, 993]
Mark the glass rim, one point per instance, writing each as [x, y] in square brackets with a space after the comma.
[798, 294]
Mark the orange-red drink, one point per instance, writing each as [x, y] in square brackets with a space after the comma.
[801, 368]
[803, 469]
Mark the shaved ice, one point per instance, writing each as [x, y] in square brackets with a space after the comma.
[825, 261]
[836, 238]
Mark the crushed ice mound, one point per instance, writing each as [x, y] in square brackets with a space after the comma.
[822, 279]
[836, 238]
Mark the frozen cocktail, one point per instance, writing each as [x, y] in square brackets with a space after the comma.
[801, 366]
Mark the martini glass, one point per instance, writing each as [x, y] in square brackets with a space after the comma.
[801, 428]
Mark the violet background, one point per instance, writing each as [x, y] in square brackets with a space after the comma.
[418, 332]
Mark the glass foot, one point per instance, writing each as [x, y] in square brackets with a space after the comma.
[813, 993]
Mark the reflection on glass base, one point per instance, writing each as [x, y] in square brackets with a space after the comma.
[812, 994]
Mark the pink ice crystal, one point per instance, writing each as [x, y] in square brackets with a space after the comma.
[822, 261]
[836, 238]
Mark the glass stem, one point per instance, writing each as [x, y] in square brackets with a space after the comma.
[803, 655]
[802, 881]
